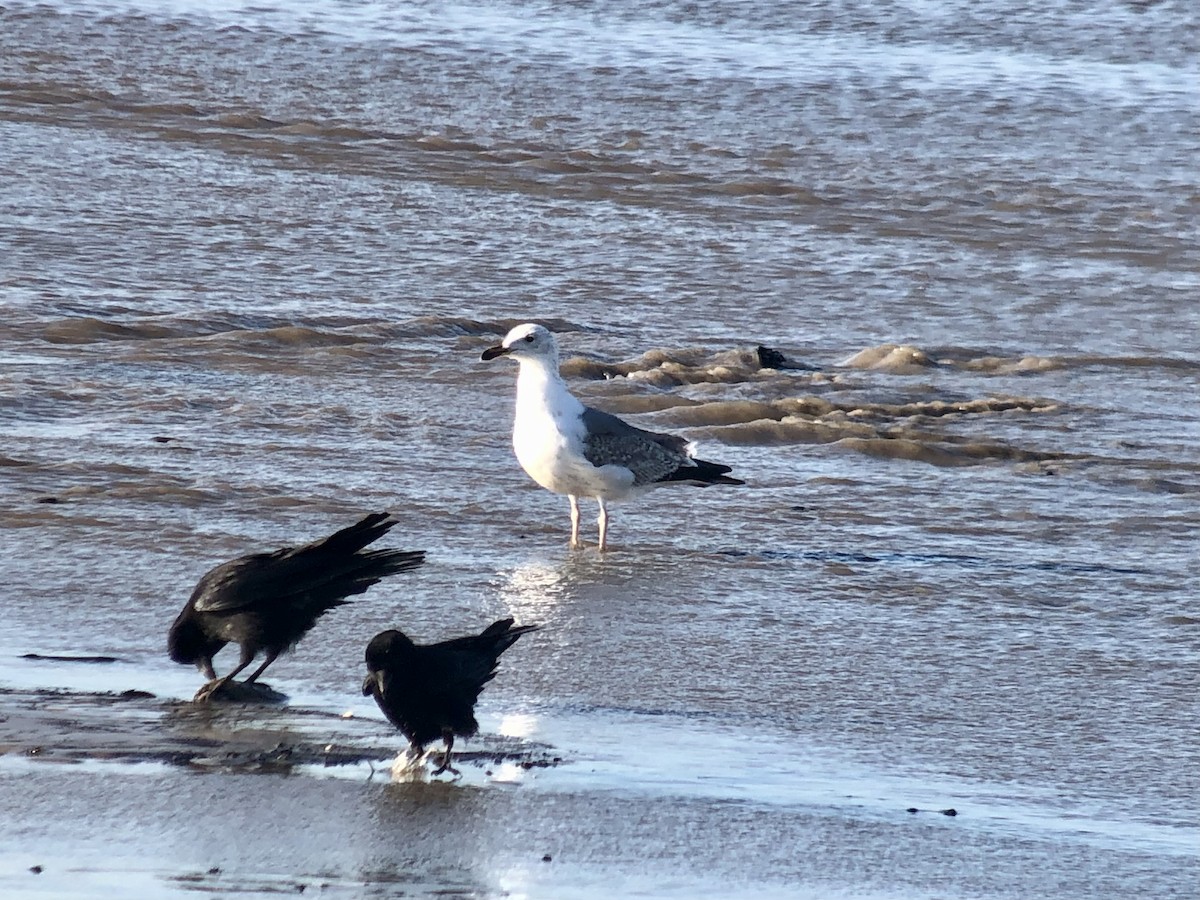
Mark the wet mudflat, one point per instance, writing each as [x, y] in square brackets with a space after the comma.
[169, 797]
[262, 828]
[137, 727]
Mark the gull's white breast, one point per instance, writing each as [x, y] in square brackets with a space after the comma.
[548, 437]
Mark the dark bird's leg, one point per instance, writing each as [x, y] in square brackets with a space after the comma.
[206, 668]
[206, 692]
[448, 737]
[271, 656]
[204, 664]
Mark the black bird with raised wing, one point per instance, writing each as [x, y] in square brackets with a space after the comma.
[266, 602]
[429, 691]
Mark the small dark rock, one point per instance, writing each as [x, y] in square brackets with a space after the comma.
[240, 692]
[912, 809]
[47, 500]
[950, 812]
[770, 359]
[36, 870]
[134, 694]
[547, 858]
[159, 439]
[215, 870]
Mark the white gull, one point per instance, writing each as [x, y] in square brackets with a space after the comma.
[579, 451]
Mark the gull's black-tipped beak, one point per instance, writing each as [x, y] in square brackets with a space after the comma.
[370, 683]
[493, 352]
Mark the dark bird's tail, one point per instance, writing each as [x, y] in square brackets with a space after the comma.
[382, 563]
[339, 566]
[493, 640]
[349, 540]
[502, 635]
[358, 572]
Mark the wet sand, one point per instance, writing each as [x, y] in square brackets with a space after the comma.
[158, 797]
[74, 760]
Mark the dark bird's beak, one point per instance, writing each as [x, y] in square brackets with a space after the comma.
[493, 352]
[370, 683]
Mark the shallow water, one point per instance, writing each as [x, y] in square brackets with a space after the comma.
[249, 257]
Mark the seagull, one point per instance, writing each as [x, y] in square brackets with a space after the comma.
[429, 691]
[269, 601]
[579, 451]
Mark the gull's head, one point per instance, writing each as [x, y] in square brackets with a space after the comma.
[526, 342]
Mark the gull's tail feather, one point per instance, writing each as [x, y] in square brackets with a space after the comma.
[702, 473]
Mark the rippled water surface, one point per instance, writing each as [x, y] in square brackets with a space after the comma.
[249, 256]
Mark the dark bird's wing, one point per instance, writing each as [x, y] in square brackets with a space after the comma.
[470, 662]
[651, 456]
[320, 573]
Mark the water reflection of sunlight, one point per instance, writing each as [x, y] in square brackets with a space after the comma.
[515, 882]
[507, 773]
[518, 725]
[533, 591]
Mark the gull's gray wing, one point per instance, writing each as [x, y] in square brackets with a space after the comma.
[650, 456]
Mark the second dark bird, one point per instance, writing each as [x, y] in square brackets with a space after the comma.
[429, 691]
[266, 602]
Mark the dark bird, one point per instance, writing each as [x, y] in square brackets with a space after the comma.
[266, 602]
[429, 691]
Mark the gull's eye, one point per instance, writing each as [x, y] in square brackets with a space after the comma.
[529, 338]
